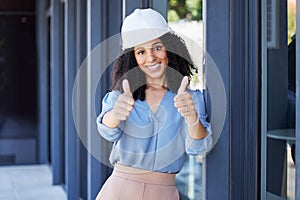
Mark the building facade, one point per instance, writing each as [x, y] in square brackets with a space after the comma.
[72, 37]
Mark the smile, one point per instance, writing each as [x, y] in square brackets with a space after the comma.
[153, 67]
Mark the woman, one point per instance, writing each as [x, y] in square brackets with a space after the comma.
[150, 115]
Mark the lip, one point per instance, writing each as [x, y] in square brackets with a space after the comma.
[154, 67]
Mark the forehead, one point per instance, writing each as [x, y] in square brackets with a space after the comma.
[148, 44]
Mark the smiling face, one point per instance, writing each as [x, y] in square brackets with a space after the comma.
[152, 58]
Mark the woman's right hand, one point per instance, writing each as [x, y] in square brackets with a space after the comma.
[122, 108]
[124, 104]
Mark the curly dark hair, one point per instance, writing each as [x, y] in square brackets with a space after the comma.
[179, 65]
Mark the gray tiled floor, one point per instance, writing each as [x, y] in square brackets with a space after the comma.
[29, 182]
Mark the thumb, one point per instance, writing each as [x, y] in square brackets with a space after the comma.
[183, 85]
[126, 87]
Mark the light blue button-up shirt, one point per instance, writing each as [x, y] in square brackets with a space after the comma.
[154, 141]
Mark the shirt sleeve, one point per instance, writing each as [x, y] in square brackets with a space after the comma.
[202, 146]
[110, 134]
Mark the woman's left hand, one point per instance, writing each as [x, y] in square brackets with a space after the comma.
[184, 103]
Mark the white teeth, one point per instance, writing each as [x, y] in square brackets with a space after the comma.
[153, 67]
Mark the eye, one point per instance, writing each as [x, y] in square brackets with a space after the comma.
[140, 52]
[158, 47]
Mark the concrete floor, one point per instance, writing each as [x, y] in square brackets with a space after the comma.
[34, 182]
[290, 176]
[28, 182]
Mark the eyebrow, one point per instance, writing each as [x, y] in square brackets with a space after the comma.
[151, 46]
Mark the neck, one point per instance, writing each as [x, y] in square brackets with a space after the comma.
[157, 84]
[157, 87]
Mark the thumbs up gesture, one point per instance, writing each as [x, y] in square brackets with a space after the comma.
[183, 101]
[183, 85]
[124, 104]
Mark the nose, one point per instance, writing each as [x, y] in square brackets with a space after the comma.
[150, 56]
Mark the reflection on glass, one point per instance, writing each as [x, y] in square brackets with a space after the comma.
[189, 180]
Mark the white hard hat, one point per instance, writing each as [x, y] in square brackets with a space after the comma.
[141, 26]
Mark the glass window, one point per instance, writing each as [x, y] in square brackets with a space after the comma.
[18, 82]
[185, 18]
[278, 99]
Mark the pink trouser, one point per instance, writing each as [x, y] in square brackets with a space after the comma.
[127, 183]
